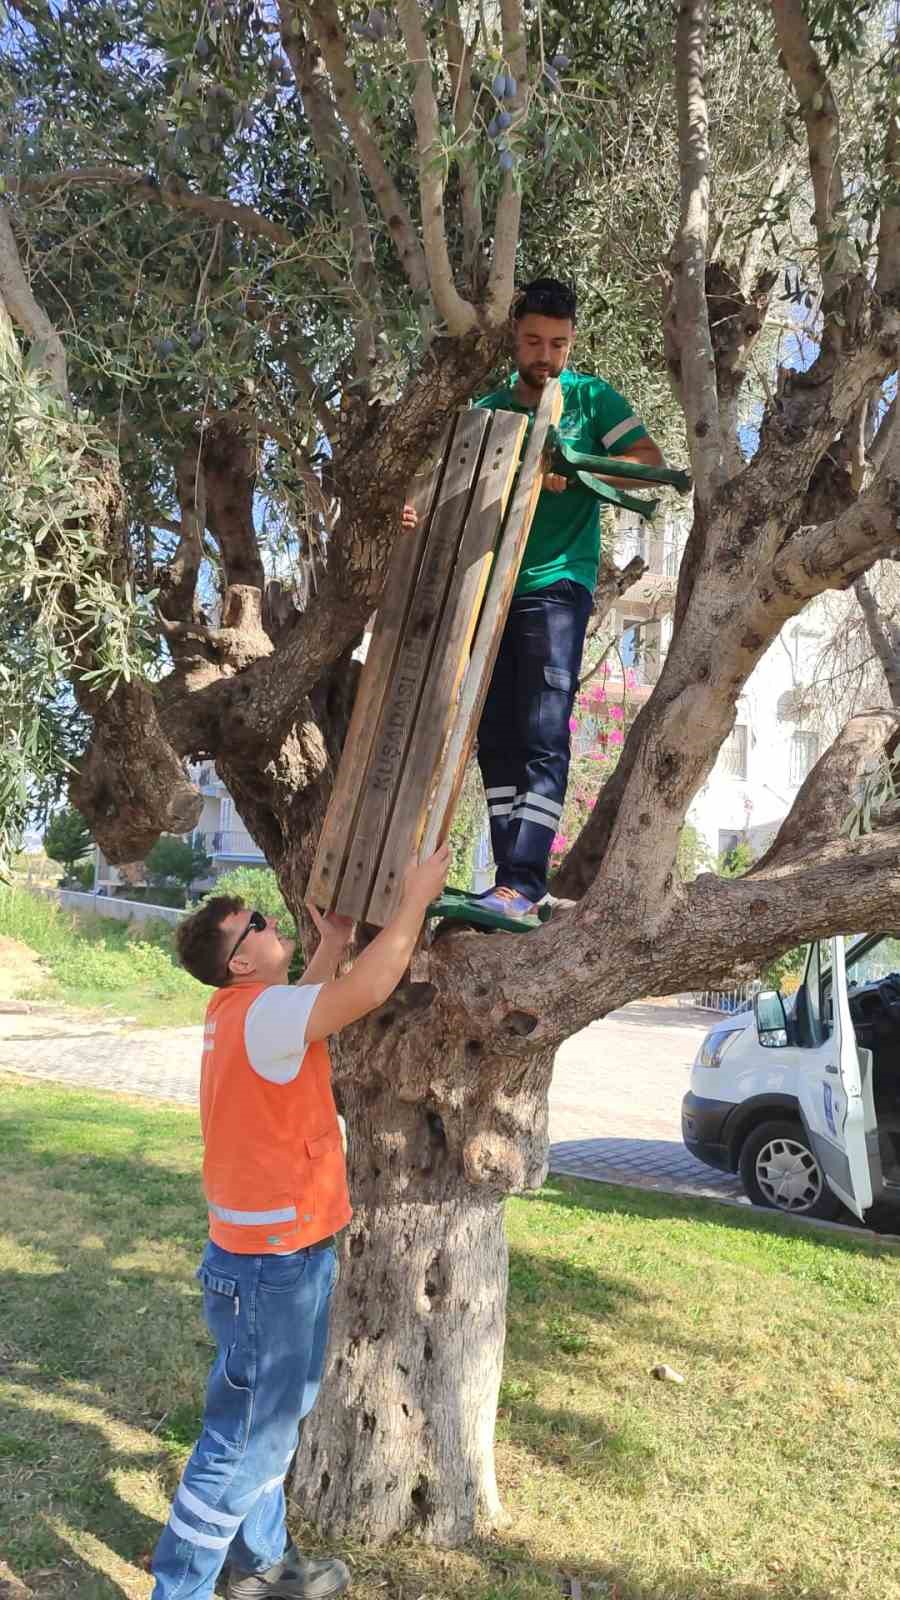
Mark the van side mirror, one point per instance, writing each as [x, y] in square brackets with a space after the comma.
[771, 1019]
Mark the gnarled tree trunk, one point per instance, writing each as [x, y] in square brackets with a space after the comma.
[439, 1132]
[445, 1097]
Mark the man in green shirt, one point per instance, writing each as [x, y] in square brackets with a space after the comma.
[524, 738]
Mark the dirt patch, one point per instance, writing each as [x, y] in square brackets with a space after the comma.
[21, 971]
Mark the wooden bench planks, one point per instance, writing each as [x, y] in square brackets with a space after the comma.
[399, 708]
[403, 570]
[492, 622]
[440, 692]
[421, 693]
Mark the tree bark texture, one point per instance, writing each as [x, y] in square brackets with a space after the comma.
[402, 1438]
[441, 1127]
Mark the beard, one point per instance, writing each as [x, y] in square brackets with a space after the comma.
[536, 377]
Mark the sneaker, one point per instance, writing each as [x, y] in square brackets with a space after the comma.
[509, 902]
[294, 1577]
[549, 904]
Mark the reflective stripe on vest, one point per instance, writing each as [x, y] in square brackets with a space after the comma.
[253, 1219]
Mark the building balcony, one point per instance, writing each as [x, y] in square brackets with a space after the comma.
[235, 844]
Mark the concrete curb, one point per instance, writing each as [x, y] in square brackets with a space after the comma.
[855, 1231]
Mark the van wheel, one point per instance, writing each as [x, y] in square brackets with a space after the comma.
[779, 1170]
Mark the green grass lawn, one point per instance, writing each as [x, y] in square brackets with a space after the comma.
[99, 963]
[773, 1471]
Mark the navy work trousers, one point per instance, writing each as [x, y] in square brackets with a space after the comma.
[524, 738]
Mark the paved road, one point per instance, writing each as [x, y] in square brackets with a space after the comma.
[614, 1106]
[615, 1102]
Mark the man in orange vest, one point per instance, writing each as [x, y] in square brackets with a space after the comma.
[276, 1188]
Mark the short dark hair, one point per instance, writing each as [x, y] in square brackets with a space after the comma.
[202, 944]
[547, 297]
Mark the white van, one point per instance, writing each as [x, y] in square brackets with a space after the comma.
[803, 1099]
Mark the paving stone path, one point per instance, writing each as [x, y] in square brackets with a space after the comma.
[614, 1106]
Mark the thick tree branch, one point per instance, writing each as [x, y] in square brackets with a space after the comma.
[508, 217]
[343, 180]
[887, 276]
[688, 256]
[822, 121]
[881, 443]
[835, 554]
[24, 311]
[230, 473]
[178, 582]
[457, 314]
[843, 886]
[744, 591]
[884, 636]
[459, 66]
[325, 26]
[826, 797]
[612, 583]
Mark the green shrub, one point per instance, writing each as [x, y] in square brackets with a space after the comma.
[153, 895]
[92, 956]
[177, 860]
[83, 874]
[67, 838]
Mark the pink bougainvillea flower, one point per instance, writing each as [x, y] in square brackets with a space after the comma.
[596, 692]
[617, 736]
[617, 713]
[560, 843]
[573, 724]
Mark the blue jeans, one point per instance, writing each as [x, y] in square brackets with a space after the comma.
[524, 740]
[269, 1318]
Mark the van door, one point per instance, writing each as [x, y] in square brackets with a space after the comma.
[832, 1097]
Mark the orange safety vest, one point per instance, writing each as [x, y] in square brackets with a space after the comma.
[273, 1167]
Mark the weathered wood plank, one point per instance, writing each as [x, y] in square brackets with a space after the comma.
[437, 705]
[492, 622]
[401, 701]
[403, 569]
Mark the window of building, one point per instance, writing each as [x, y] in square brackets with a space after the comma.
[733, 755]
[804, 754]
[628, 647]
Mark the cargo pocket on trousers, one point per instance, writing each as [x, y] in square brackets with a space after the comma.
[229, 1394]
[555, 709]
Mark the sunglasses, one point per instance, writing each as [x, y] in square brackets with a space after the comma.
[257, 924]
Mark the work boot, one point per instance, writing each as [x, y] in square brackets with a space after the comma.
[294, 1577]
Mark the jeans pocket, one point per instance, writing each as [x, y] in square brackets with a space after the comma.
[229, 1395]
[558, 678]
[281, 1274]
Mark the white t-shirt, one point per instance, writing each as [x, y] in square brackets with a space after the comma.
[275, 1029]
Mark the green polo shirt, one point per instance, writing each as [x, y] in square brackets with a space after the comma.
[564, 541]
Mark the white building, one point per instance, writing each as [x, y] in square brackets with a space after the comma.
[777, 735]
[223, 832]
[773, 745]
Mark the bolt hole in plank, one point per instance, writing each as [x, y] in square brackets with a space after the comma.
[430, 657]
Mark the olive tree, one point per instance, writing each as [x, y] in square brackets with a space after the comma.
[252, 270]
